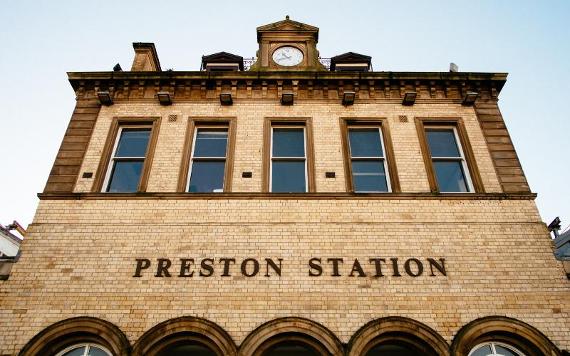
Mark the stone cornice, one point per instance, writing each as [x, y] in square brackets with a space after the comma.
[198, 85]
[285, 196]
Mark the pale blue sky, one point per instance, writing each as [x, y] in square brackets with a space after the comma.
[42, 40]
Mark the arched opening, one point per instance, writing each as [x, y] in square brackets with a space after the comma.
[399, 336]
[503, 333]
[73, 336]
[292, 337]
[185, 336]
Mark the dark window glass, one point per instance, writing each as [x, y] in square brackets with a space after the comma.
[187, 350]
[125, 176]
[206, 176]
[288, 177]
[128, 160]
[442, 143]
[365, 143]
[133, 143]
[291, 350]
[211, 143]
[392, 350]
[367, 160]
[369, 176]
[288, 142]
[450, 176]
[208, 161]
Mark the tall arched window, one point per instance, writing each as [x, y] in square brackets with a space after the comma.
[85, 350]
[495, 349]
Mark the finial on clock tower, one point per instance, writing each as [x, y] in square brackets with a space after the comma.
[286, 17]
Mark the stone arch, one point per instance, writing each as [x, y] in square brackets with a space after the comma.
[77, 330]
[511, 331]
[400, 330]
[291, 329]
[186, 328]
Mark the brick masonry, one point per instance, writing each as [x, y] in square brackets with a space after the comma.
[79, 256]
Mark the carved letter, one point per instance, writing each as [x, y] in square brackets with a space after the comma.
[277, 269]
[396, 272]
[206, 265]
[357, 268]
[185, 264]
[226, 262]
[142, 263]
[335, 262]
[315, 264]
[244, 267]
[162, 268]
[440, 267]
[420, 267]
[378, 266]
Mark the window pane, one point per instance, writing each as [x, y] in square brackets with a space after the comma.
[365, 143]
[95, 351]
[483, 351]
[133, 143]
[288, 176]
[211, 143]
[125, 177]
[450, 176]
[288, 143]
[373, 167]
[76, 352]
[392, 350]
[442, 143]
[504, 351]
[207, 176]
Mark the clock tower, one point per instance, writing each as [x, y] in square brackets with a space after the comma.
[287, 46]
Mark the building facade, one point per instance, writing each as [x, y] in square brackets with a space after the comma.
[288, 209]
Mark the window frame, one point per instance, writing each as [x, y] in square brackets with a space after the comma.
[471, 172]
[87, 346]
[392, 180]
[194, 124]
[105, 167]
[492, 344]
[288, 122]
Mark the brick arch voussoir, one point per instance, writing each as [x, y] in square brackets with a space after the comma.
[509, 330]
[406, 329]
[313, 332]
[76, 330]
[208, 331]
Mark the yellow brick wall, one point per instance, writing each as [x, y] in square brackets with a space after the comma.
[79, 259]
[327, 140]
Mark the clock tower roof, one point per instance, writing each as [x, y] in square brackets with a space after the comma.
[288, 25]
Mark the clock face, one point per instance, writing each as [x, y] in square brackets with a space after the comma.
[287, 56]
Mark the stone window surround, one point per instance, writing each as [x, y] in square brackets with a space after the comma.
[200, 121]
[382, 124]
[459, 127]
[116, 125]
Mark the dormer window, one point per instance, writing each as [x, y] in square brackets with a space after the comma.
[351, 62]
[222, 62]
